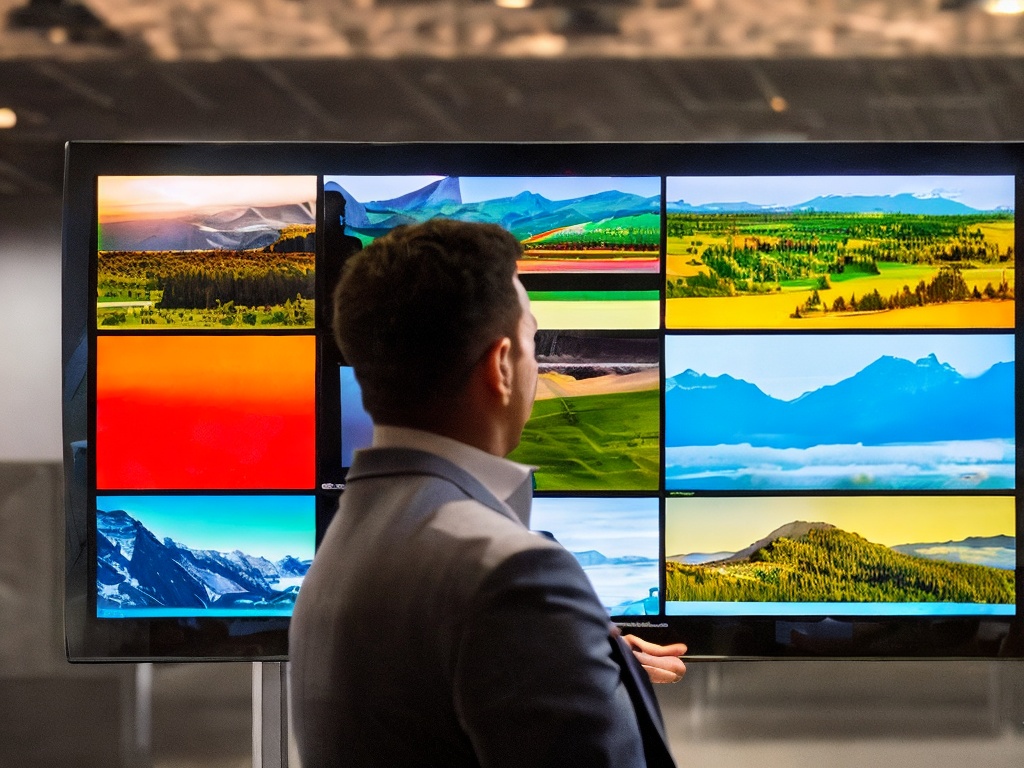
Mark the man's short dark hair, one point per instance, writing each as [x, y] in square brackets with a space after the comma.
[417, 309]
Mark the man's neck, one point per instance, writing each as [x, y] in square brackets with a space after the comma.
[477, 433]
[507, 480]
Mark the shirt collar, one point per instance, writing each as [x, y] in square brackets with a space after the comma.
[507, 480]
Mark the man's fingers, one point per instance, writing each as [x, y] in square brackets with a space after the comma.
[639, 644]
[662, 669]
[662, 675]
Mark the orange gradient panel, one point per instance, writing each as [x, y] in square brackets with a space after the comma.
[192, 412]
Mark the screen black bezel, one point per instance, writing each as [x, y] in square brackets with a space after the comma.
[92, 639]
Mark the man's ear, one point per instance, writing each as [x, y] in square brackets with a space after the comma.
[498, 369]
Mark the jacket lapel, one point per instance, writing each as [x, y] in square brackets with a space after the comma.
[648, 713]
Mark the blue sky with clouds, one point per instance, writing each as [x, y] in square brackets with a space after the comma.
[614, 527]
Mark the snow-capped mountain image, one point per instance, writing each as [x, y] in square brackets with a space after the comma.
[859, 415]
[137, 571]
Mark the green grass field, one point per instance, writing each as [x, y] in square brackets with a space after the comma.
[293, 314]
[594, 443]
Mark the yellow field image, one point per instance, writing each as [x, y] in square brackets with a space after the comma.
[999, 232]
[775, 309]
[588, 315]
[772, 311]
[682, 254]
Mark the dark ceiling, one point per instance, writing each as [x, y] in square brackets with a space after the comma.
[512, 100]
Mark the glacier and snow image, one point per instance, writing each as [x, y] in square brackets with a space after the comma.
[139, 573]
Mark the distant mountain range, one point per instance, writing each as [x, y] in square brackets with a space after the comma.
[135, 570]
[698, 558]
[234, 229]
[592, 557]
[928, 205]
[995, 551]
[891, 401]
[525, 215]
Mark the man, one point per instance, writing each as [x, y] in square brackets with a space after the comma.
[434, 629]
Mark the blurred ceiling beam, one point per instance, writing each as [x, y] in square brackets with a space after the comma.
[411, 70]
[935, 98]
[174, 30]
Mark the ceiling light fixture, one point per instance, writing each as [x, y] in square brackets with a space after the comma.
[1004, 7]
[8, 117]
[63, 21]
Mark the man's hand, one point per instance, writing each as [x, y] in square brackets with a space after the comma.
[662, 662]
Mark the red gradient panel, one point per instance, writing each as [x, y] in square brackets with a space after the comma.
[192, 412]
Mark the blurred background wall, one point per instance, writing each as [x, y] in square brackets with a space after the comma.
[392, 70]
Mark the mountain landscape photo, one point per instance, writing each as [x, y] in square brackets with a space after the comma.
[818, 562]
[840, 252]
[602, 230]
[615, 540]
[230, 229]
[137, 574]
[206, 252]
[896, 423]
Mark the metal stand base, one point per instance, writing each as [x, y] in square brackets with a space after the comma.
[269, 714]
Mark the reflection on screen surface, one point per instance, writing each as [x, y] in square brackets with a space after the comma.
[356, 425]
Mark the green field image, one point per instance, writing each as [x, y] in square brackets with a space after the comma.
[594, 442]
[866, 262]
[837, 566]
[636, 233]
[205, 289]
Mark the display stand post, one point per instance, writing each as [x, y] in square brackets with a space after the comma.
[142, 747]
[269, 714]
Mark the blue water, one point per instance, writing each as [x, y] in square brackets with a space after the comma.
[619, 585]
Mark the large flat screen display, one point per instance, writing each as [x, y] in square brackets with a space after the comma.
[776, 403]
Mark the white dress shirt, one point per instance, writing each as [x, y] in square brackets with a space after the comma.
[507, 480]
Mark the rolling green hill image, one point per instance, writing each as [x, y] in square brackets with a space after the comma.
[639, 232]
[594, 442]
[817, 562]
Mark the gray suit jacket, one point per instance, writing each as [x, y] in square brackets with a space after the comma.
[434, 629]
